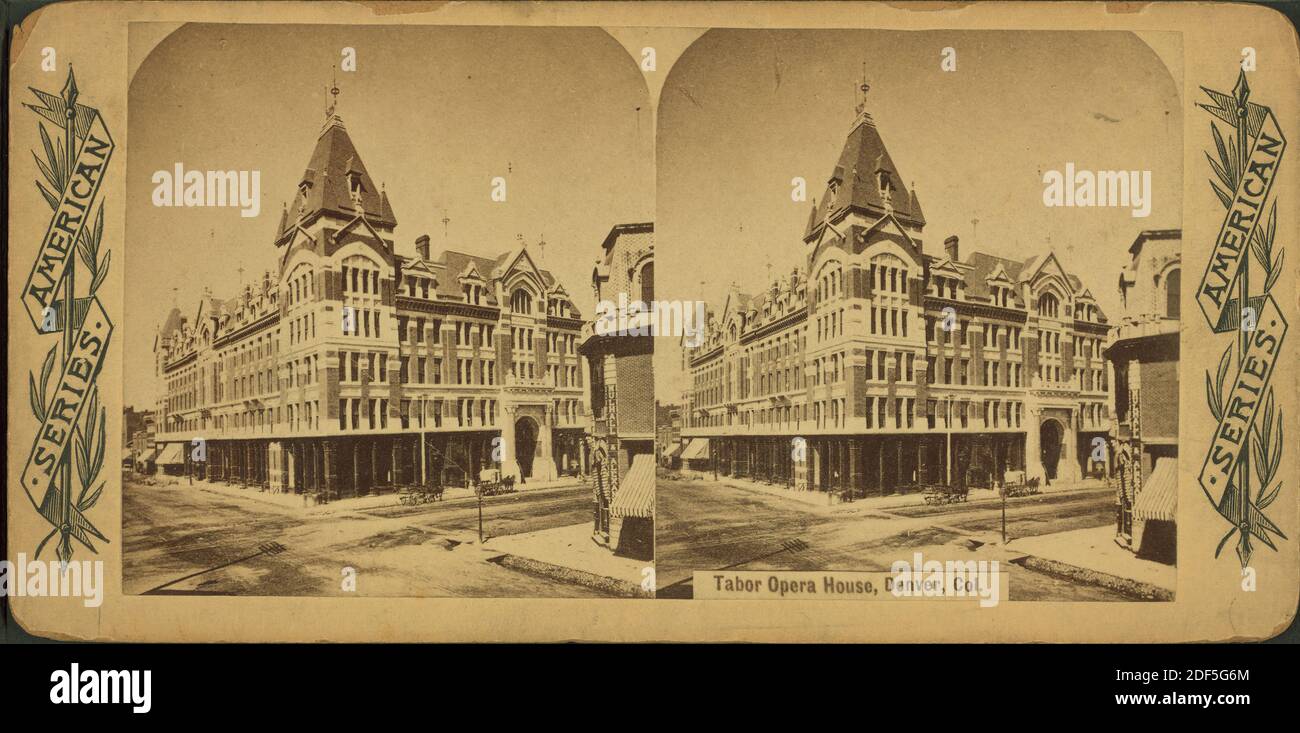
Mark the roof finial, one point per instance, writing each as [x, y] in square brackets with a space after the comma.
[334, 93]
[863, 88]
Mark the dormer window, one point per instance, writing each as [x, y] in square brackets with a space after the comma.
[886, 188]
[354, 185]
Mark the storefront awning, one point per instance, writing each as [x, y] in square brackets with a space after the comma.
[698, 448]
[1159, 496]
[673, 452]
[171, 455]
[636, 492]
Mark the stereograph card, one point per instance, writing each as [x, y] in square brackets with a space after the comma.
[652, 322]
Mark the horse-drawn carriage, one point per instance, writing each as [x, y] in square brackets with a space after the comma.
[505, 485]
[1019, 486]
[943, 494]
[417, 494]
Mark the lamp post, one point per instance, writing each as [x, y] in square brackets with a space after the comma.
[1003, 490]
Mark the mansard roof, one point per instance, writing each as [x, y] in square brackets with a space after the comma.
[854, 182]
[326, 180]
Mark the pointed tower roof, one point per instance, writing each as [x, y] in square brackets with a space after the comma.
[855, 181]
[284, 220]
[335, 167]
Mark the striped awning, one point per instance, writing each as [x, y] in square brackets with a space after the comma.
[1159, 496]
[171, 455]
[696, 449]
[636, 492]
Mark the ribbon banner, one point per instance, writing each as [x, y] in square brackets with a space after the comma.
[1247, 422]
[73, 423]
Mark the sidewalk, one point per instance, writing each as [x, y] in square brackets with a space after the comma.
[1094, 552]
[357, 503]
[827, 503]
[569, 554]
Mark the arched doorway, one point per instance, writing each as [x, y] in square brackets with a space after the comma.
[1049, 441]
[525, 445]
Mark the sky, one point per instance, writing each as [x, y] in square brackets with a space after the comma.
[435, 113]
[745, 111]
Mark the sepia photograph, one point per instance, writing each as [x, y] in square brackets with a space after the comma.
[943, 329]
[493, 323]
[363, 269]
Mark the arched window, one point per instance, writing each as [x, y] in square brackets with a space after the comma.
[1049, 305]
[648, 283]
[890, 274]
[1173, 304]
[521, 301]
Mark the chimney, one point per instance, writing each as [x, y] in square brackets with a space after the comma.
[950, 248]
[422, 246]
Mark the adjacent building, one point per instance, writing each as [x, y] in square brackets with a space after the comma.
[621, 432]
[668, 432]
[348, 367]
[138, 450]
[885, 363]
[1143, 356]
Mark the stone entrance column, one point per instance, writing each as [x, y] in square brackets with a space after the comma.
[543, 460]
[1069, 469]
[510, 466]
[1033, 447]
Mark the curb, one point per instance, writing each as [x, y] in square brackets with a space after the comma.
[1127, 586]
[841, 506]
[611, 586]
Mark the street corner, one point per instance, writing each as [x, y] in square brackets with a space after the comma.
[572, 554]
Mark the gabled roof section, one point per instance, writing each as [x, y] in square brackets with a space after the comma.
[984, 267]
[519, 259]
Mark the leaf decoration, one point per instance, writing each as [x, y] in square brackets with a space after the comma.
[1214, 391]
[1225, 168]
[38, 393]
[1266, 498]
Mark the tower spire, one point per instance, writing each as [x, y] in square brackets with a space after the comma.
[333, 101]
[861, 108]
[332, 118]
